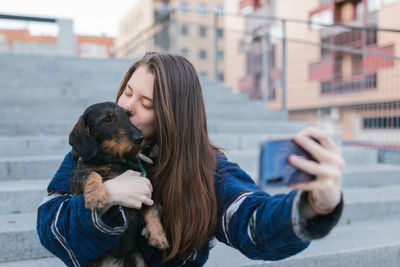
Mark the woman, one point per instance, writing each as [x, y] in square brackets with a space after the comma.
[203, 194]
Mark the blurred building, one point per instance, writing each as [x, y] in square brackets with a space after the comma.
[233, 28]
[342, 72]
[255, 47]
[190, 28]
[135, 31]
[95, 46]
[22, 42]
[65, 43]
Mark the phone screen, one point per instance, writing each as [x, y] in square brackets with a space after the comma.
[275, 170]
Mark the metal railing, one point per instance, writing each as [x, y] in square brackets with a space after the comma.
[343, 78]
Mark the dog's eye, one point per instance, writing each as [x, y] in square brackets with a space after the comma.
[107, 119]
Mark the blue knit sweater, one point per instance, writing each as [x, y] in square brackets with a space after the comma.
[261, 226]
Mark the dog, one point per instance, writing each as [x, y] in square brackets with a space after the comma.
[104, 139]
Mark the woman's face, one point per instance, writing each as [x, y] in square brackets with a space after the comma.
[137, 97]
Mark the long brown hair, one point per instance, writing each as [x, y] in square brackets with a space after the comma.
[183, 179]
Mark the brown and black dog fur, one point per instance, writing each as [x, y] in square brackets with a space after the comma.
[102, 134]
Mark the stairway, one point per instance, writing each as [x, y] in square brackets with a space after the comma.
[42, 97]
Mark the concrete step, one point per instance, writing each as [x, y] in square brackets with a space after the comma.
[255, 127]
[352, 156]
[346, 243]
[43, 262]
[11, 146]
[368, 204]
[45, 165]
[50, 144]
[367, 244]
[353, 176]
[30, 167]
[17, 106]
[21, 196]
[227, 125]
[18, 238]
[63, 113]
[371, 176]
[364, 204]
[97, 88]
[40, 99]
[378, 203]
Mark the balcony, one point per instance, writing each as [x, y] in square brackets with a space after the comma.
[351, 38]
[247, 83]
[322, 70]
[374, 63]
[247, 7]
[369, 82]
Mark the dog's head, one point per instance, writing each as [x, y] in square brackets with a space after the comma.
[104, 129]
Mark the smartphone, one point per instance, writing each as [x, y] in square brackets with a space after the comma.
[275, 170]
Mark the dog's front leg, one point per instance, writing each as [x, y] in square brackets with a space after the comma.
[155, 233]
[95, 193]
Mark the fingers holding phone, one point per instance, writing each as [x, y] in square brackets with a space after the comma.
[327, 169]
[320, 146]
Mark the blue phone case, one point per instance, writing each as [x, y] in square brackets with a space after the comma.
[275, 170]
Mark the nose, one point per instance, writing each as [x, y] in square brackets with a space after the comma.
[131, 106]
[138, 139]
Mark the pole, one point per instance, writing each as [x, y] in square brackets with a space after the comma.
[216, 76]
[283, 74]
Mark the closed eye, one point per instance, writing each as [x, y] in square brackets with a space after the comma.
[128, 91]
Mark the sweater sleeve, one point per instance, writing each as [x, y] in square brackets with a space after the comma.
[76, 235]
[259, 225]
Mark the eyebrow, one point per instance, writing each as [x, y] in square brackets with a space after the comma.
[148, 98]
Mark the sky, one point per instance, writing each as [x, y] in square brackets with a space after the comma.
[90, 17]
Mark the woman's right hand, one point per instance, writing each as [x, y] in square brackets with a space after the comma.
[129, 190]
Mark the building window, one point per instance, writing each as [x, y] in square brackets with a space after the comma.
[325, 52]
[387, 2]
[326, 87]
[359, 9]
[183, 7]
[203, 74]
[164, 9]
[372, 37]
[185, 52]
[272, 54]
[220, 55]
[202, 9]
[356, 65]
[203, 31]
[373, 5]
[325, 17]
[184, 30]
[370, 81]
[202, 54]
[324, 2]
[220, 33]
[274, 84]
[221, 77]
[219, 10]
[381, 122]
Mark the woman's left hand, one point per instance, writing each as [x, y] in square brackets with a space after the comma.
[326, 188]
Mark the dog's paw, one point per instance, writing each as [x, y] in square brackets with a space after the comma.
[156, 236]
[96, 199]
[95, 194]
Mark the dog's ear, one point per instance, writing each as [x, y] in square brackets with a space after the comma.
[82, 142]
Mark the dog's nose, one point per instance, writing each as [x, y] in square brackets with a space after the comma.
[138, 139]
